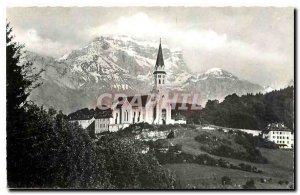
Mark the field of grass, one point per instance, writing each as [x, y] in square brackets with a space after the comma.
[194, 176]
[277, 173]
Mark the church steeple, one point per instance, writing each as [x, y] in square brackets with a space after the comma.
[160, 58]
[159, 72]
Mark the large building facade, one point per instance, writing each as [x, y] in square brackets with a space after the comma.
[280, 135]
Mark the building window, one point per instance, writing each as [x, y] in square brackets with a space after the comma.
[163, 81]
[139, 116]
[159, 81]
[116, 120]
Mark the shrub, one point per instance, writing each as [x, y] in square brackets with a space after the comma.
[226, 180]
[249, 184]
[263, 180]
[220, 130]
[171, 135]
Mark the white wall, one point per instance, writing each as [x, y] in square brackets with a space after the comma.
[101, 125]
[281, 137]
[84, 123]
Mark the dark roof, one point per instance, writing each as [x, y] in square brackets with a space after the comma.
[103, 113]
[159, 71]
[82, 114]
[160, 58]
[87, 114]
[277, 127]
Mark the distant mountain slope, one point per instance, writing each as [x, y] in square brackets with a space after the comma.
[124, 64]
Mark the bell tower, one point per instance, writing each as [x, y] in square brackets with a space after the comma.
[159, 73]
[162, 107]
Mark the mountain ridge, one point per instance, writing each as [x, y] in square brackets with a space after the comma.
[114, 64]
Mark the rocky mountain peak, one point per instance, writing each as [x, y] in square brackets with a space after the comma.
[125, 64]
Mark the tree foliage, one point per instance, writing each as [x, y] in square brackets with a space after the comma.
[248, 111]
[130, 168]
[21, 76]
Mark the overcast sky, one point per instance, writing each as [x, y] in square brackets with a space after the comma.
[256, 44]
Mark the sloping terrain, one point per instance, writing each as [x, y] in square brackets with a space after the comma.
[197, 167]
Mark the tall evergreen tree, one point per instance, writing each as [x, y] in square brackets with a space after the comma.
[20, 80]
[21, 77]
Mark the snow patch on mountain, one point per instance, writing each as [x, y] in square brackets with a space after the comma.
[214, 71]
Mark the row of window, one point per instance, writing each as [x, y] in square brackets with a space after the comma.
[126, 116]
[161, 81]
[280, 132]
[282, 142]
[83, 121]
[101, 125]
[280, 137]
[161, 76]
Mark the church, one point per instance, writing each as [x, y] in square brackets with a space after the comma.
[153, 108]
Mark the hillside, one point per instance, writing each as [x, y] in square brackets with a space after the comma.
[124, 64]
[189, 152]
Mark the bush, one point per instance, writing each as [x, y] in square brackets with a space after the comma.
[249, 184]
[262, 180]
[226, 180]
[171, 135]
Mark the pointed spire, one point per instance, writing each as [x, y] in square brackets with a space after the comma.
[160, 58]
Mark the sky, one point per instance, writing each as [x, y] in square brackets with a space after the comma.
[255, 44]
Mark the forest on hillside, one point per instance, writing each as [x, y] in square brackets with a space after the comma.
[251, 111]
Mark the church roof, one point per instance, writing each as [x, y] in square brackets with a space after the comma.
[160, 58]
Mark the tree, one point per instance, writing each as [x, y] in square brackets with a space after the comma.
[129, 168]
[251, 111]
[21, 78]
